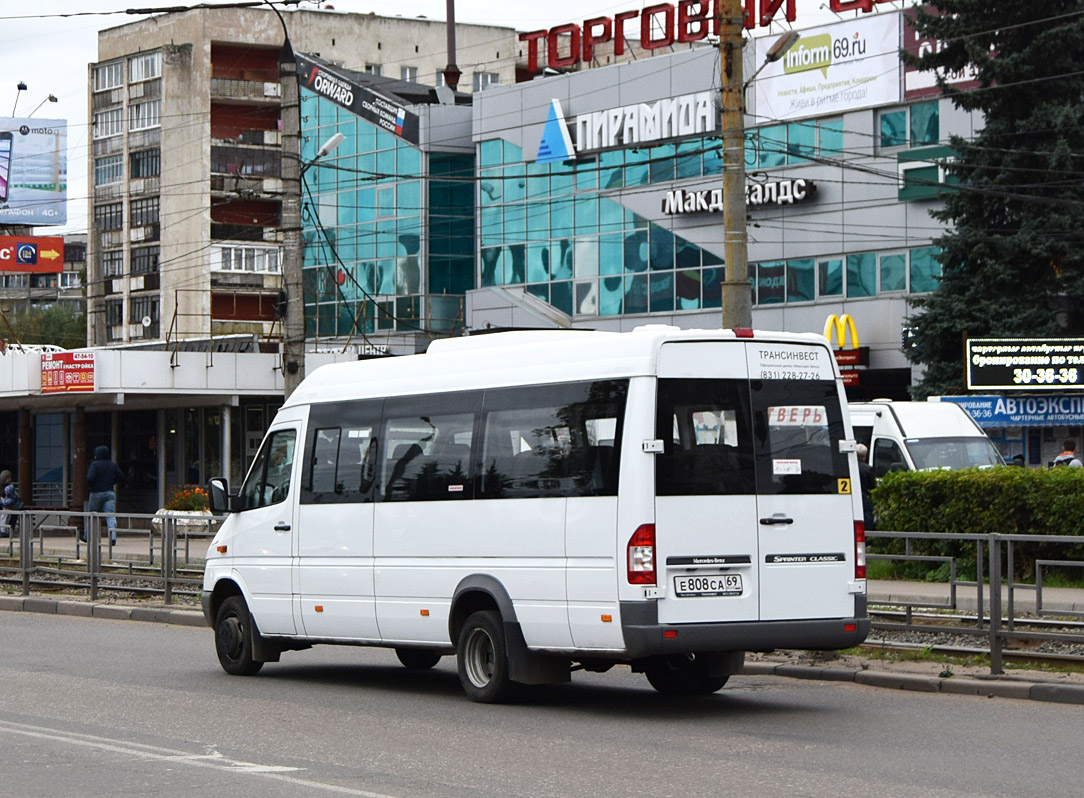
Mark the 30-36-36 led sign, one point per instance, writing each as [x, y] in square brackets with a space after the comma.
[1023, 364]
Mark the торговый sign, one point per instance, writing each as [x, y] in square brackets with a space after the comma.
[659, 25]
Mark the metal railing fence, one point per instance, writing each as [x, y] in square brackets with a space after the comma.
[51, 550]
[162, 555]
[998, 618]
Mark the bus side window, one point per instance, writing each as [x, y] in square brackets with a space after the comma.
[426, 443]
[887, 456]
[340, 459]
[553, 440]
[269, 479]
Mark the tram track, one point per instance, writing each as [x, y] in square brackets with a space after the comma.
[1057, 642]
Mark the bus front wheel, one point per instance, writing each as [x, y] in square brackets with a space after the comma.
[233, 638]
[482, 657]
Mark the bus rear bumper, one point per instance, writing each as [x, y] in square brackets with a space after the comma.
[646, 637]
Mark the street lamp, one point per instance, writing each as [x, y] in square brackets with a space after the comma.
[19, 89]
[326, 149]
[737, 299]
[50, 99]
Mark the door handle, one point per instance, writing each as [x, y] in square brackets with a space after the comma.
[776, 519]
[282, 526]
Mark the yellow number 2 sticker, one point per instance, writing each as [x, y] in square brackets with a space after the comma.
[844, 486]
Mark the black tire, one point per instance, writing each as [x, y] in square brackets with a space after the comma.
[482, 659]
[417, 658]
[233, 638]
[683, 675]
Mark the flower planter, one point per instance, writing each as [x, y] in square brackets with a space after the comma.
[183, 520]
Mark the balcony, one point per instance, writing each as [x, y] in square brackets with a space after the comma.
[245, 89]
[236, 232]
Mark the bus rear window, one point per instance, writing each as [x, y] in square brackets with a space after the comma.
[797, 426]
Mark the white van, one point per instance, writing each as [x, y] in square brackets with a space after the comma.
[538, 502]
[921, 436]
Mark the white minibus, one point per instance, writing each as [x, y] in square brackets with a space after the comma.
[541, 502]
[921, 436]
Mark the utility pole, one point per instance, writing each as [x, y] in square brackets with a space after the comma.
[452, 73]
[737, 297]
[293, 322]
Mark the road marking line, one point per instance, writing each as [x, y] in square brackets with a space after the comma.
[213, 759]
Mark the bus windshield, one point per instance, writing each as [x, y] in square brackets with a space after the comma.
[953, 454]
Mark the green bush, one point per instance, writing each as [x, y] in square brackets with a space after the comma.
[1008, 500]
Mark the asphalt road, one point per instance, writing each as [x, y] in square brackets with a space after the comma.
[91, 707]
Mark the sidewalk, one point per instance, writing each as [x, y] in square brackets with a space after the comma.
[933, 594]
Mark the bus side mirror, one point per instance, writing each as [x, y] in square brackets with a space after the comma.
[218, 490]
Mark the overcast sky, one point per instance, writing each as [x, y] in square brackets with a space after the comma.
[50, 53]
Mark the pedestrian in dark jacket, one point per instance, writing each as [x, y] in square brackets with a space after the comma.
[102, 476]
[9, 500]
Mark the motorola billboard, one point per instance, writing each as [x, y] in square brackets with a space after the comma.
[33, 171]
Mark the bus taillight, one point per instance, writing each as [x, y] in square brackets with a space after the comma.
[859, 550]
[642, 555]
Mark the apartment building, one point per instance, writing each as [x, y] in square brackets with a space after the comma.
[185, 205]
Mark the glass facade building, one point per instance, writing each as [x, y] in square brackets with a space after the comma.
[388, 241]
[499, 225]
[551, 229]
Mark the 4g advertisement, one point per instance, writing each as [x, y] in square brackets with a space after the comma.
[33, 171]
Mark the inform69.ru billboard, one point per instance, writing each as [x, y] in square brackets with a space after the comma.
[33, 171]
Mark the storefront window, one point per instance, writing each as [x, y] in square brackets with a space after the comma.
[610, 296]
[490, 153]
[830, 273]
[538, 221]
[561, 297]
[586, 211]
[893, 126]
[637, 171]
[662, 292]
[662, 162]
[862, 274]
[831, 137]
[773, 146]
[771, 283]
[690, 154]
[800, 281]
[801, 140]
[687, 289]
[925, 270]
[925, 124]
[538, 257]
[636, 294]
[893, 272]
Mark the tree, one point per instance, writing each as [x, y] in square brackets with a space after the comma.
[60, 325]
[1013, 257]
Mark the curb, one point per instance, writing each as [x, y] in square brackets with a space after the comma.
[993, 687]
[113, 612]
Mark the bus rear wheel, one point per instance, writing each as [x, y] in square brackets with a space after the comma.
[417, 658]
[233, 638]
[683, 674]
[482, 658]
